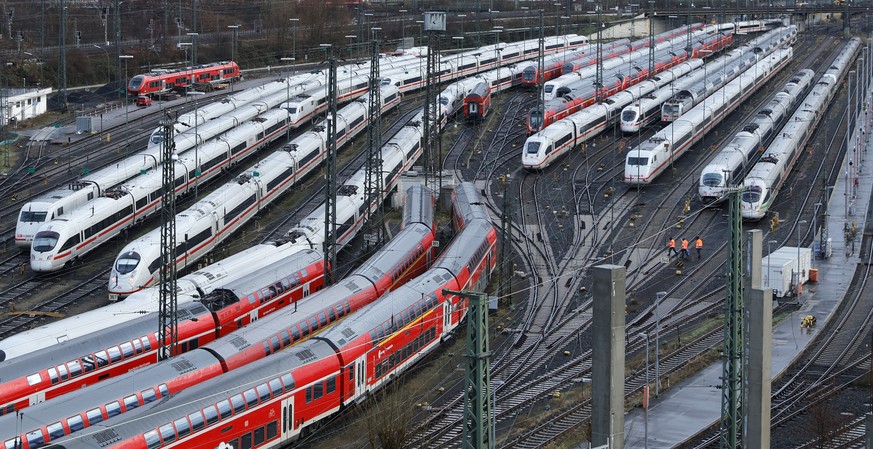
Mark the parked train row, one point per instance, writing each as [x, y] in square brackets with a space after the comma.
[734, 160]
[766, 178]
[405, 257]
[626, 71]
[211, 220]
[648, 160]
[273, 401]
[651, 108]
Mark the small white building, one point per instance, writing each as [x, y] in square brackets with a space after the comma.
[22, 103]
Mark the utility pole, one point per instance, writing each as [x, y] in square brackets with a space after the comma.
[434, 22]
[598, 80]
[62, 57]
[504, 272]
[732, 360]
[168, 331]
[541, 77]
[477, 401]
[651, 40]
[374, 160]
[118, 46]
[330, 174]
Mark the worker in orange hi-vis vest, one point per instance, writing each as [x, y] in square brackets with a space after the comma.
[698, 243]
[684, 248]
[671, 247]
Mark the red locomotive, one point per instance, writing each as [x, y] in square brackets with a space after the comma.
[165, 80]
[478, 102]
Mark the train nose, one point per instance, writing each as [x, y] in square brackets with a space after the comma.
[40, 264]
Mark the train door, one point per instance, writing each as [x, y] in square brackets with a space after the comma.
[474, 109]
[306, 289]
[361, 377]
[287, 417]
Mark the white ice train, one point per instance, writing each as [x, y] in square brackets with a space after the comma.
[766, 178]
[730, 165]
[190, 288]
[686, 99]
[645, 162]
[542, 148]
[648, 109]
[563, 84]
[68, 238]
[211, 220]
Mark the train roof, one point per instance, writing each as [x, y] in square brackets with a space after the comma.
[419, 206]
[84, 345]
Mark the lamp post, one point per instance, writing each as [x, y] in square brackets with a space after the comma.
[293, 36]
[462, 17]
[193, 47]
[420, 30]
[402, 24]
[288, 91]
[108, 64]
[497, 30]
[460, 39]
[798, 249]
[658, 298]
[126, 118]
[235, 29]
[646, 393]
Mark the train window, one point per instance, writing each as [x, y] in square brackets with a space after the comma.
[95, 415]
[286, 338]
[34, 379]
[251, 397]
[211, 414]
[313, 323]
[53, 375]
[146, 344]
[259, 436]
[75, 368]
[75, 423]
[153, 441]
[164, 390]
[127, 349]
[168, 434]
[305, 326]
[309, 395]
[295, 334]
[263, 392]
[317, 391]
[71, 242]
[330, 386]
[182, 427]
[137, 346]
[224, 408]
[276, 387]
[239, 405]
[131, 402]
[62, 370]
[272, 430]
[35, 438]
[196, 419]
[88, 363]
[245, 442]
[113, 409]
[114, 354]
[322, 319]
[55, 430]
[274, 342]
[331, 314]
[148, 396]
[288, 381]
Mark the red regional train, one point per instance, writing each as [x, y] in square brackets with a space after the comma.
[406, 256]
[478, 102]
[111, 352]
[275, 400]
[165, 80]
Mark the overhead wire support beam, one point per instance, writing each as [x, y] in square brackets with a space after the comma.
[477, 400]
[374, 179]
[730, 432]
[329, 245]
[651, 38]
[598, 80]
[168, 326]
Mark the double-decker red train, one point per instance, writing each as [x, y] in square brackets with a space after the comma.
[165, 80]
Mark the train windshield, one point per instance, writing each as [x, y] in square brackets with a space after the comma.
[32, 216]
[136, 82]
[631, 160]
[45, 241]
[157, 137]
[548, 88]
[536, 119]
[629, 115]
[671, 108]
[753, 195]
[127, 262]
[711, 179]
[529, 74]
[533, 147]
